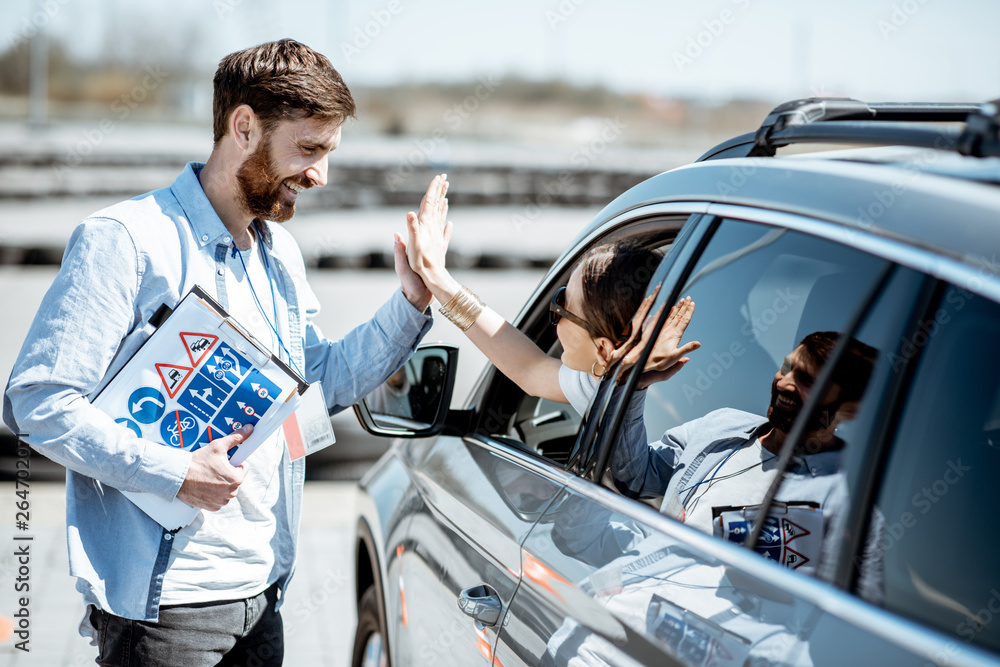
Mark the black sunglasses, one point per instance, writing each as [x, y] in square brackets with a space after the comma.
[557, 310]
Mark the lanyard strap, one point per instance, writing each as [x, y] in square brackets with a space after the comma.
[274, 302]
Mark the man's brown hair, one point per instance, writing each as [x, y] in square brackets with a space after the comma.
[855, 367]
[279, 80]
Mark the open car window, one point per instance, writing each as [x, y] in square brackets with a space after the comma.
[539, 426]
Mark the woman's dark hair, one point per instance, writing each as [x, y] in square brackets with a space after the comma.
[615, 277]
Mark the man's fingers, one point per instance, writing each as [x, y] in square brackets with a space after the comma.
[237, 438]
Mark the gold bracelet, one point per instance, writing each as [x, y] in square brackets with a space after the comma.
[463, 309]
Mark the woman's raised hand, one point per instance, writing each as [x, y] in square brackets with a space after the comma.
[428, 232]
[668, 355]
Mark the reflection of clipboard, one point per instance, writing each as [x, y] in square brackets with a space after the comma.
[199, 377]
[792, 534]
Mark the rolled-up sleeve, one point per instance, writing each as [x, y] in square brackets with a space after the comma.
[78, 330]
[640, 469]
[643, 469]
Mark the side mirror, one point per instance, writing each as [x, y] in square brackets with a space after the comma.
[414, 401]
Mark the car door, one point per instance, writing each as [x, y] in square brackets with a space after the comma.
[614, 581]
[477, 498]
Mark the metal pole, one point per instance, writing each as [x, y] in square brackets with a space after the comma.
[38, 78]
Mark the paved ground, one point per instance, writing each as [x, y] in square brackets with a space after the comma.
[319, 613]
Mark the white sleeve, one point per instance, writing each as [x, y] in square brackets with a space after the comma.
[578, 387]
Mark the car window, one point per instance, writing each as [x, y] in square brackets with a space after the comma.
[932, 530]
[823, 483]
[541, 426]
[758, 291]
[767, 300]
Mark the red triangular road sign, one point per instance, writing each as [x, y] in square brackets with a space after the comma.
[791, 530]
[173, 377]
[197, 345]
[793, 559]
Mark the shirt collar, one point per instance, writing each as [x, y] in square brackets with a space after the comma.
[205, 222]
[821, 463]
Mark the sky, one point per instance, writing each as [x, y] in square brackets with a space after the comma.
[875, 50]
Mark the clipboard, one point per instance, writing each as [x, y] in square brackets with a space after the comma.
[199, 377]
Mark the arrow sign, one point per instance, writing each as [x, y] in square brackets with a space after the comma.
[137, 406]
[146, 405]
[203, 395]
[226, 351]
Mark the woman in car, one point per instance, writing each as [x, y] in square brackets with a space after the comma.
[598, 314]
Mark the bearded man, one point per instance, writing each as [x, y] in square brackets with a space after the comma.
[713, 472]
[209, 593]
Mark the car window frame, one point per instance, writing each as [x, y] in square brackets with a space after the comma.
[881, 452]
[608, 408]
[493, 391]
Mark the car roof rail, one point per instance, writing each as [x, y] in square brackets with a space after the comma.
[849, 121]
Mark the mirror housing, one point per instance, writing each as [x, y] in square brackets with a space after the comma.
[414, 401]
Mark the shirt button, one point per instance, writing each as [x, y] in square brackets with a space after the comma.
[168, 537]
[220, 272]
[227, 239]
[204, 237]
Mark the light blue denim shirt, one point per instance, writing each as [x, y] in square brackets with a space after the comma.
[120, 265]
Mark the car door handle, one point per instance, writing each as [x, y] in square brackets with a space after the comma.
[481, 603]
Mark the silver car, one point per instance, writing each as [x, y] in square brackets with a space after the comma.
[499, 533]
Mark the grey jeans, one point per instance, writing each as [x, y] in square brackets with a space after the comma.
[235, 633]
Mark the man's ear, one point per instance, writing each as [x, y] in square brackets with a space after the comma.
[848, 410]
[243, 125]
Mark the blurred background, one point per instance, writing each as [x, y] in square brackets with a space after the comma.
[541, 111]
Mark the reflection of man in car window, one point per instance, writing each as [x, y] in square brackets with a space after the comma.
[713, 472]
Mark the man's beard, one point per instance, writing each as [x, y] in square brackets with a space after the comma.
[261, 187]
[782, 419]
